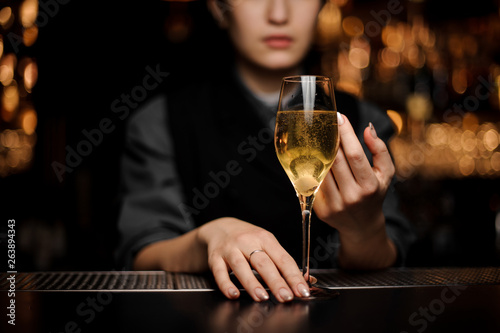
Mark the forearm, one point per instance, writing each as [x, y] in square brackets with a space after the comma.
[185, 253]
[371, 251]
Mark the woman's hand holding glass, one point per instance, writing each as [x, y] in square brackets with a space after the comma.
[351, 196]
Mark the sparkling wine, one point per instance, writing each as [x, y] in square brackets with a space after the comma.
[306, 144]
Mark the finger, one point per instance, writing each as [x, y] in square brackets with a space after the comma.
[342, 172]
[243, 272]
[354, 154]
[348, 186]
[382, 161]
[221, 275]
[293, 282]
[328, 198]
[272, 277]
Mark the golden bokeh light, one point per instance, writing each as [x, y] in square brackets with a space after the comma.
[9, 139]
[350, 79]
[392, 38]
[29, 121]
[421, 32]
[416, 57]
[470, 121]
[30, 35]
[495, 161]
[28, 11]
[416, 157]
[16, 151]
[436, 135]
[483, 152]
[12, 159]
[10, 101]
[396, 119]
[468, 141]
[455, 46]
[491, 140]
[6, 74]
[459, 80]
[427, 37]
[359, 58]
[455, 140]
[466, 165]
[30, 75]
[6, 17]
[18, 118]
[329, 22]
[353, 26]
[483, 166]
[449, 151]
[389, 57]
[419, 106]
[7, 65]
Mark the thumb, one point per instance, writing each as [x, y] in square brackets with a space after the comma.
[382, 161]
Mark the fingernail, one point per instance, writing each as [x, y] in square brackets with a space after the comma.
[261, 294]
[233, 292]
[286, 295]
[303, 290]
[312, 279]
[340, 118]
[372, 131]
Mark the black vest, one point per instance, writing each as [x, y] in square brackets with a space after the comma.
[228, 166]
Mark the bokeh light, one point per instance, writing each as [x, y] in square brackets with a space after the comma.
[459, 80]
[28, 11]
[359, 58]
[18, 76]
[30, 75]
[396, 119]
[30, 35]
[389, 57]
[6, 17]
[7, 65]
[353, 26]
[329, 22]
[29, 121]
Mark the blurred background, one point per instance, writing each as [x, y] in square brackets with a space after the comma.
[72, 72]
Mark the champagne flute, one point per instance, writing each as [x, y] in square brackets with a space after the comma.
[306, 139]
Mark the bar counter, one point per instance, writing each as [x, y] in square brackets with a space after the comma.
[393, 300]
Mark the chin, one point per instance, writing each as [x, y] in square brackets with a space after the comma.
[279, 62]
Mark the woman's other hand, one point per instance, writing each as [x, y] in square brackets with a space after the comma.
[229, 244]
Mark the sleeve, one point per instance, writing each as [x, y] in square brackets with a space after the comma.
[398, 227]
[151, 190]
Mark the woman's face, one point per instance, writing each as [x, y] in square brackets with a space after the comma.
[273, 34]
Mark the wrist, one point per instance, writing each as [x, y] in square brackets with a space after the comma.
[200, 236]
[365, 232]
[207, 231]
[368, 250]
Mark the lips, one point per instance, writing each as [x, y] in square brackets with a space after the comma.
[278, 41]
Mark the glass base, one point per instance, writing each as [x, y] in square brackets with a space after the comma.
[319, 293]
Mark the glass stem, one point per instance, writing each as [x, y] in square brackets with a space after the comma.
[306, 204]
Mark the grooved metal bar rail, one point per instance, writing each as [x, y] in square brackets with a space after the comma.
[166, 281]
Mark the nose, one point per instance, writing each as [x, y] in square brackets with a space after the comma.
[278, 12]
